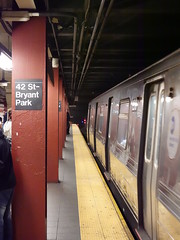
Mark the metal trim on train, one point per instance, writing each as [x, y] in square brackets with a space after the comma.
[133, 130]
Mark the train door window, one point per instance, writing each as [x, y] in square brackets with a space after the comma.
[89, 120]
[92, 119]
[101, 119]
[150, 126]
[123, 122]
[89, 115]
[160, 125]
[110, 117]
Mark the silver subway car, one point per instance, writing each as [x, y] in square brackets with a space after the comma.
[134, 131]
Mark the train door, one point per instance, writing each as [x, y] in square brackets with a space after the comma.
[88, 125]
[92, 125]
[155, 102]
[95, 127]
[108, 134]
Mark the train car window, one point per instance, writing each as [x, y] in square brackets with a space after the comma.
[150, 126]
[110, 119]
[101, 119]
[123, 121]
[92, 119]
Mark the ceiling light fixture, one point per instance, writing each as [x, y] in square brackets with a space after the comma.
[3, 82]
[76, 99]
[17, 16]
[28, 4]
[5, 62]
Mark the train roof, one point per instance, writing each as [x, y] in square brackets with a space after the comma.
[162, 65]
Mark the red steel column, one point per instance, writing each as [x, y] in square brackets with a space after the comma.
[66, 103]
[29, 133]
[60, 119]
[63, 112]
[52, 128]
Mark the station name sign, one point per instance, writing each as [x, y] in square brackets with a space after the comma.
[28, 94]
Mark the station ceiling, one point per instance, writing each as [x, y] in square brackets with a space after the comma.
[100, 43]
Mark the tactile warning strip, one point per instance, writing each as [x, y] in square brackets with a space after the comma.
[99, 215]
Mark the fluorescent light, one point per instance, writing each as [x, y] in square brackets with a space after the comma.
[76, 99]
[17, 16]
[3, 82]
[29, 4]
[49, 53]
[72, 106]
[55, 62]
[5, 62]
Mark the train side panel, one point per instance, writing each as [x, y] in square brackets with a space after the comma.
[168, 187]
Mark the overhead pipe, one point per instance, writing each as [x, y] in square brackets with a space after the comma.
[55, 38]
[4, 49]
[91, 40]
[9, 25]
[55, 14]
[57, 46]
[74, 50]
[96, 42]
[80, 43]
[5, 27]
[51, 14]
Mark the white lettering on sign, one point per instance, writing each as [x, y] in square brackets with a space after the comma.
[24, 86]
[23, 103]
[28, 94]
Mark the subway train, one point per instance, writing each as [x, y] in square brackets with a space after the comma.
[133, 131]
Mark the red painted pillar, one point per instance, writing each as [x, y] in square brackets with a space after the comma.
[52, 128]
[60, 119]
[29, 132]
[63, 112]
[66, 104]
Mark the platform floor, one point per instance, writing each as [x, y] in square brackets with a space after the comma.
[81, 206]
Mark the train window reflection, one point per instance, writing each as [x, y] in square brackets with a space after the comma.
[160, 123]
[123, 123]
[150, 127]
[101, 119]
[92, 119]
[110, 118]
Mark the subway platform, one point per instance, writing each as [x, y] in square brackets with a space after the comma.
[81, 207]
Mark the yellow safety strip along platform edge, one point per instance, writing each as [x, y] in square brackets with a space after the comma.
[99, 215]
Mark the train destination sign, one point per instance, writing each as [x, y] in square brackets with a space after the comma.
[28, 94]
